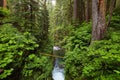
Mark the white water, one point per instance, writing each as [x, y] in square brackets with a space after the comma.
[56, 48]
[57, 73]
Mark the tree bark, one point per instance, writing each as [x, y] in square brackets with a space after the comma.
[99, 21]
[75, 10]
[3, 3]
[88, 9]
[111, 9]
[78, 11]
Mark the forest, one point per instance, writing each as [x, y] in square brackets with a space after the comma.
[59, 39]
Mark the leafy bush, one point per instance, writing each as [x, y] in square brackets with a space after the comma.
[115, 20]
[103, 59]
[4, 12]
[76, 45]
[37, 68]
[14, 48]
[100, 61]
[79, 37]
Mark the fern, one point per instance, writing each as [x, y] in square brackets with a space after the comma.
[13, 46]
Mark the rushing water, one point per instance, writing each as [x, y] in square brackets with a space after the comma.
[58, 72]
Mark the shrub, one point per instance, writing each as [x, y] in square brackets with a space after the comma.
[115, 20]
[100, 61]
[14, 48]
[76, 47]
[103, 59]
[37, 68]
[4, 12]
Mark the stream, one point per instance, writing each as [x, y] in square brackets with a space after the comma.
[58, 71]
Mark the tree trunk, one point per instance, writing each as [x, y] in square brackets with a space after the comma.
[81, 11]
[88, 10]
[3, 3]
[110, 10]
[75, 10]
[78, 11]
[46, 22]
[99, 21]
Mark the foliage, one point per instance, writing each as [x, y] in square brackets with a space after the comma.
[62, 13]
[76, 44]
[14, 48]
[59, 33]
[79, 37]
[20, 55]
[32, 16]
[103, 59]
[115, 21]
[60, 20]
[99, 61]
[37, 68]
[4, 12]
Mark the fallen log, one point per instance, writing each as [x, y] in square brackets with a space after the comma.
[51, 55]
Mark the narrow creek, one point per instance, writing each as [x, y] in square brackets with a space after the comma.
[58, 71]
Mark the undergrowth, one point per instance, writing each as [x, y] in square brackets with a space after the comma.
[99, 61]
[20, 58]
